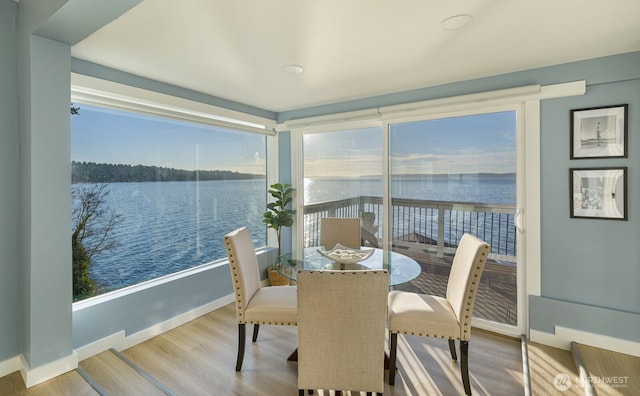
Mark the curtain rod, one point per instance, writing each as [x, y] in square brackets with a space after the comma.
[527, 92]
[121, 103]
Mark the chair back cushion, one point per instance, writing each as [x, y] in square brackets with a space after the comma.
[341, 329]
[342, 230]
[464, 280]
[245, 273]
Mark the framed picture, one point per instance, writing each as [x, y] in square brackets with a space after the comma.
[599, 132]
[599, 193]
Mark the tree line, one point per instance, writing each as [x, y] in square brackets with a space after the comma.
[91, 172]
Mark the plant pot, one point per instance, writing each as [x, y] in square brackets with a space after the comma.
[276, 279]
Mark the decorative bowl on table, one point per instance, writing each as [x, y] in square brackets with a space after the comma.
[334, 266]
[344, 255]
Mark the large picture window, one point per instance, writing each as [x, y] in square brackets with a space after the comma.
[153, 196]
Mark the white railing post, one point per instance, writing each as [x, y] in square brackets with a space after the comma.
[440, 246]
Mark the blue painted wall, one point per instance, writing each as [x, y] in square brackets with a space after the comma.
[590, 268]
[10, 299]
[134, 312]
[593, 262]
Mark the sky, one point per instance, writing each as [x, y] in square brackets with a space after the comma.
[108, 136]
[469, 144]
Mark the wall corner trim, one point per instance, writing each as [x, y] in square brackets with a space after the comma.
[34, 376]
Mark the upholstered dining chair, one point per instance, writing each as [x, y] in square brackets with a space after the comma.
[442, 317]
[255, 304]
[341, 330]
[342, 230]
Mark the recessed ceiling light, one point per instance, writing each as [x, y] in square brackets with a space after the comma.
[456, 22]
[293, 69]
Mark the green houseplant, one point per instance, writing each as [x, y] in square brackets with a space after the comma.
[277, 214]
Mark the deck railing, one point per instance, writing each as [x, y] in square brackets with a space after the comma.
[434, 226]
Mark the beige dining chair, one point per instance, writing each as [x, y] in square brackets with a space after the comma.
[442, 317]
[341, 330]
[342, 230]
[255, 304]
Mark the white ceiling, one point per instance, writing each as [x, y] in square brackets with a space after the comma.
[351, 49]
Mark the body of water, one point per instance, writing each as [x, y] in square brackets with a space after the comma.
[473, 189]
[494, 190]
[171, 226]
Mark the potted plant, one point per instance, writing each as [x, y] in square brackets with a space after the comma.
[277, 214]
[276, 217]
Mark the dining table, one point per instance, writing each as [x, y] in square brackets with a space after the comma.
[401, 268]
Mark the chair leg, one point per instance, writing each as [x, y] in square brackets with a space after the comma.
[256, 327]
[464, 366]
[241, 341]
[393, 344]
[300, 392]
[452, 348]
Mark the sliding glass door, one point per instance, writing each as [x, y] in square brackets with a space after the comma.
[451, 176]
[419, 184]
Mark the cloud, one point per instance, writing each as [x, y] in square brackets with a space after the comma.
[365, 165]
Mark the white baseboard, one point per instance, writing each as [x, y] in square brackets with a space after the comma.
[47, 371]
[563, 337]
[174, 322]
[115, 340]
[120, 341]
[34, 376]
[10, 365]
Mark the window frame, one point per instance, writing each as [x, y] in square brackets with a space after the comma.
[524, 102]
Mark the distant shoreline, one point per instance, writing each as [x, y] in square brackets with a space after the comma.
[91, 172]
[414, 176]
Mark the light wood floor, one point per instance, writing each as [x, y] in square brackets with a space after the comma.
[612, 373]
[545, 363]
[198, 358]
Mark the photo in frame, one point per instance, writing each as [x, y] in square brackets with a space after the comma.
[599, 193]
[599, 132]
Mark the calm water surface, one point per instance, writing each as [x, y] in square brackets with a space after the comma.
[171, 226]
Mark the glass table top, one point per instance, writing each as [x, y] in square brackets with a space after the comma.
[401, 268]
